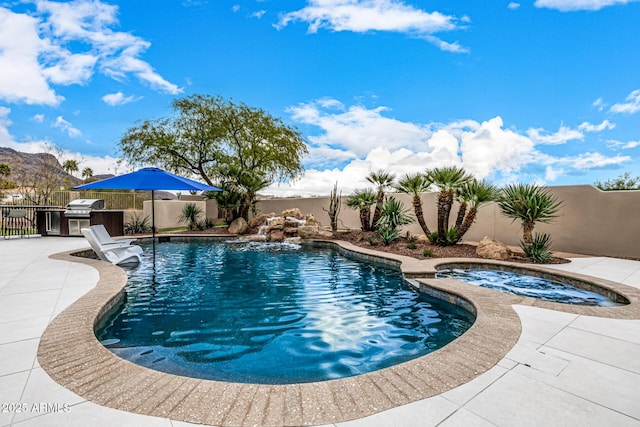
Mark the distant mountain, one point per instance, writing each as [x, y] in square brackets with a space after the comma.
[25, 165]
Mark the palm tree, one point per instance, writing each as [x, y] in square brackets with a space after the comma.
[87, 173]
[244, 184]
[382, 179]
[362, 200]
[476, 193]
[529, 204]
[447, 179]
[70, 166]
[415, 185]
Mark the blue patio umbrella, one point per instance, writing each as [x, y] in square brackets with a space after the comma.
[148, 179]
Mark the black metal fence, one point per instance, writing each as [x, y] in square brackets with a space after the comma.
[19, 220]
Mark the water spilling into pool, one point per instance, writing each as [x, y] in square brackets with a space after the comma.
[273, 314]
[528, 286]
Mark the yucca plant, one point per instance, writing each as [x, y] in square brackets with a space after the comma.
[190, 214]
[387, 234]
[471, 196]
[539, 251]
[394, 215]
[137, 225]
[529, 204]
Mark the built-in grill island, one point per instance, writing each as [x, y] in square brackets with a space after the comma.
[78, 214]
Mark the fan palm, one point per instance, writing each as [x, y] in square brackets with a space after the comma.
[382, 179]
[473, 195]
[447, 179]
[529, 204]
[362, 200]
[414, 185]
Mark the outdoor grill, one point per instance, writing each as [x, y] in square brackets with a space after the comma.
[81, 208]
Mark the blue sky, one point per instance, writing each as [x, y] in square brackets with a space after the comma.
[544, 91]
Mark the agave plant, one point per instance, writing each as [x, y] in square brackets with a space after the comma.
[539, 251]
[362, 200]
[383, 180]
[190, 214]
[414, 185]
[137, 225]
[529, 204]
[393, 216]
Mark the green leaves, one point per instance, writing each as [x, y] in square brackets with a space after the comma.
[529, 203]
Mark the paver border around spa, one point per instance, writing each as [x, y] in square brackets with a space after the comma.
[71, 354]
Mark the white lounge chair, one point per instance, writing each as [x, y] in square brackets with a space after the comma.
[114, 253]
[104, 238]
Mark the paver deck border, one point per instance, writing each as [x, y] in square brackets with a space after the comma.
[71, 354]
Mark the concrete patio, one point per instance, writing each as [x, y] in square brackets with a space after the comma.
[566, 369]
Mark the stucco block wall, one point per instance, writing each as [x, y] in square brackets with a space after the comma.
[593, 222]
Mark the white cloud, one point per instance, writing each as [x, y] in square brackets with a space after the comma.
[365, 140]
[632, 104]
[235, 8]
[615, 144]
[100, 165]
[454, 47]
[38, 118]
[64, 44]
[67, 127]
[373, 15]
[513, 5]
[563, 135]
[573, 5]
[599, 104]
[258, 14]
[589, 127]
[118, 98]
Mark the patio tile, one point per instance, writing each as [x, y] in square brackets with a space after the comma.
[464, 418]
[540, 325]
[600, 383]
[428, 412]
[612, 351]
[90, 414]
[41, 389]
[20, 330]
[18, 356]
[27, 305]
[516, 400]
[11, 387]
[528, 353]
[464, 393]
[627, 330]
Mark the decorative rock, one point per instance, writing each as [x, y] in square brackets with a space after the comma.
[259, 220]
[492, 249]
[238, 226]
[311, 220]
[314, 232]
[422, 238]
[276, 236]
[290, 231]
[293, 240]
[277, 223]
[295, 213]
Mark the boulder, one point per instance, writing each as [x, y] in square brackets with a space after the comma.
[311, 220]
[238, 226]
[259, 220]
[277, 223]
[422, 238]
[294, 213]
[276, 236]
[290, 231]
[314, 232]
[492, 249]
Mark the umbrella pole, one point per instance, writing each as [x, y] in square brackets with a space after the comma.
[153, 227]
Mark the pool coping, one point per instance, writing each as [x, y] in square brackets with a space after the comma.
[72, 356]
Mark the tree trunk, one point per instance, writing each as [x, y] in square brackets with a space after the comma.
[461, 215]
[468, 221]
[377, 213]
[417, 207]
[527, 232]
[365, 214]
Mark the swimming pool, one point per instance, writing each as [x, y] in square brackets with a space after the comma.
[273, 314]
[527, 285]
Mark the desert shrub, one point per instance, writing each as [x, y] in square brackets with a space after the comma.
[411, 245]
[388, 235]
[137, 225]
[190, 214]
[427, 253]
[539, 251]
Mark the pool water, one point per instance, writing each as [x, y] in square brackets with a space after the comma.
[273, 314]
[528, 286]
